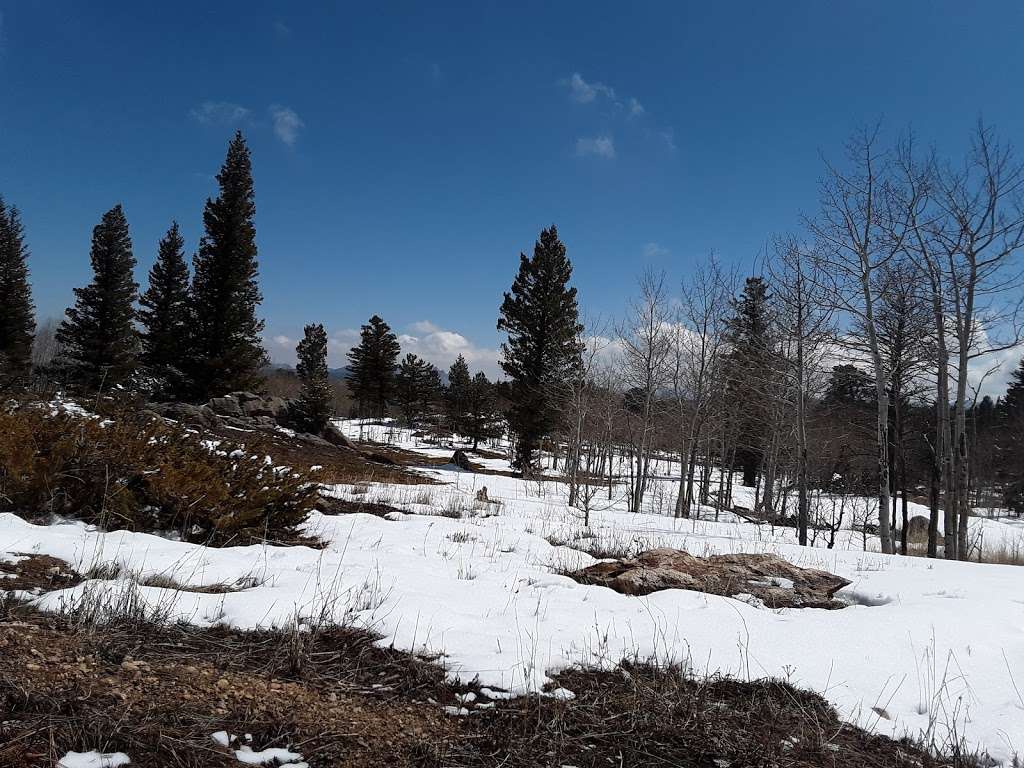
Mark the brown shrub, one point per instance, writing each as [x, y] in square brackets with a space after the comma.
[138, 473]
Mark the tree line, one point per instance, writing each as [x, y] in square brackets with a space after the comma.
[844, 366]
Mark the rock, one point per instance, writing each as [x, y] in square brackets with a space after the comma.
[185, 413]
[769, 579]
[917, 529]
[481, 495]
[461, 460]
[226, 406]
[270, 407]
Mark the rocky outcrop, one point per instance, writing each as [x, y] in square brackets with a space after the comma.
[188, 414]
[461, 460]
[759, 579]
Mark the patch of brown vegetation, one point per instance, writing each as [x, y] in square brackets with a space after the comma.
[158, 694]
[37, 573]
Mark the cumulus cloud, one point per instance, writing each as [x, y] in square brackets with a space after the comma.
[601, 146]
[441, 347]
[219, 113]
[287, 123]
[635, 108]
[283, 341]
[583, 92]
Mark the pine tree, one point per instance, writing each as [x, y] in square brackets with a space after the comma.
[17, 313]
[749, 374]
[542, 353]
[314, 406]
[481, 419]
[417, 386]
[98, 336]
[372, 367]
[456, 396]
[227, 347]
[166, 318]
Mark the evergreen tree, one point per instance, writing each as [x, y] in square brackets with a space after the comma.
[226, 342]
[372, 367]
[849, 385]
[456, 396]
[98, 336]
[481, 417]
[1011, 405]
[17, 313]
[417, 386]
[541, 353]
[314, 406]
[750, 371]
[165, 316]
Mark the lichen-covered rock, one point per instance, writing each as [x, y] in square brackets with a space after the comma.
[758, 579]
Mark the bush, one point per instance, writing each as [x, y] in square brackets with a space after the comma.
[135, 472]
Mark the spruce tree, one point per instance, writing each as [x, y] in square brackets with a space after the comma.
[481, 420]
[456, 396]
[542, 352]
[749, 372]
[372, 367]
[98, 336]
[314, 406]
[229, 354]
[417, 385]
[165, 317]
[17, 313]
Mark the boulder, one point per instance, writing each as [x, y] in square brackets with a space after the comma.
[226, 406]
[270, 407]
[461, 460]
[185, 413]
[917, 529]
[758, 579]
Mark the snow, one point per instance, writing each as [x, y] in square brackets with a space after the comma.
[273, 755]
[93, 760]
[938, 645]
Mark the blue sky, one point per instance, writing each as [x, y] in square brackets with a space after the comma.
[405, 153]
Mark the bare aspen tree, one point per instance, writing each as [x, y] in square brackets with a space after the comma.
[805, 320]
[696, 346]
[925, 221]
[580, 401]
[982, 231]
[645, 344]
[860, 231]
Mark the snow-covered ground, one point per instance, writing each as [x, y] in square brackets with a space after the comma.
[925, 646]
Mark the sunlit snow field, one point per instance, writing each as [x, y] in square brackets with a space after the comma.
[924, 647]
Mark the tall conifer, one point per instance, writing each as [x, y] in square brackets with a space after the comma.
[541, 354]
[456, 396]
[314, 406]
[225, 293]
[165, 316]
[98, 336]
[372, 367]
[17, 313]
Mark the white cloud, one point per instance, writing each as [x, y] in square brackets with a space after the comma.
[287, 123]
[669, 137]
[655, 251]
[635, 108]
[282, 29]
[219, 113]
[283, 341]
[583, 92]
[441, 347]
[602, 146]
